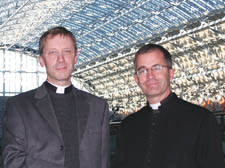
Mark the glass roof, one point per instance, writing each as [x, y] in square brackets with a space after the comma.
[109, 32]
[102, 27]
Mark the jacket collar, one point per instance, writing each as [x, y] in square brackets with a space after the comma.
[82, 109]
[167, 103]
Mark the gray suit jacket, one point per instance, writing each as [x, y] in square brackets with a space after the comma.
[32, 137]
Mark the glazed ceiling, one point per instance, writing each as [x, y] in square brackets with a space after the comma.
[109, 32]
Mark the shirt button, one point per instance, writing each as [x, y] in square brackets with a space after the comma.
[61, 147]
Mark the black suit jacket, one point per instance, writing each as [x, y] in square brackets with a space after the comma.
[32, 137]
[188, 137]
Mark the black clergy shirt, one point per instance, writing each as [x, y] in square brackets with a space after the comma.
[66, 115]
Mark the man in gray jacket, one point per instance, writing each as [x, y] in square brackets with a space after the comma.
[56, 125]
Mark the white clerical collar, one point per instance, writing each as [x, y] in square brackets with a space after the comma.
[59, 89]
[155, 106]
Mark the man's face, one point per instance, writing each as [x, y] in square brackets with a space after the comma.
[59, 58]
[154, 84]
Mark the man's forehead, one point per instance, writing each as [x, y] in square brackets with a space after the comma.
[153, 52]
[58, 39]
[51, 36]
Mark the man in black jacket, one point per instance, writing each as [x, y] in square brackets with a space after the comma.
[168, 132]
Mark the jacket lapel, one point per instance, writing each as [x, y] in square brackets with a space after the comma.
[44, 105]
[82, 106]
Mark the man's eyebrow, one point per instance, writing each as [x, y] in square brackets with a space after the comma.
[52, 49]
[141, 67]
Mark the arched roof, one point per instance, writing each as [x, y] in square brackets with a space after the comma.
[109, 32]
[102, 27]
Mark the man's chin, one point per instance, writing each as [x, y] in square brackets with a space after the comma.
[62, 78]
[152, 93]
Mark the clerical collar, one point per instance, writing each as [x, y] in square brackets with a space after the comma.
[155, 106]
[58, 89]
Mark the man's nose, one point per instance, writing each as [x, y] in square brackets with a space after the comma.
[60, 57]
[150, 73]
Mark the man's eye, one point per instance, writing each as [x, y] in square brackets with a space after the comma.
[142, 70]
[67, 52]
[52, 53]
[157, 67]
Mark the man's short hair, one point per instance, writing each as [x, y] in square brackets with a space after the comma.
[54, 32]
[150, 47]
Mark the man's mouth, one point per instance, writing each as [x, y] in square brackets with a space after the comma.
[61, 68]
[152, 83]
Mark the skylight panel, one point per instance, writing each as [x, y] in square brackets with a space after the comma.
[117, 39]
[192, 10]
[141, 29]
[216, 4]
[159, 23]
[74, 25]
[202, 4]
[180, 13]
[96, 11]
[111, 27]
[120, 22]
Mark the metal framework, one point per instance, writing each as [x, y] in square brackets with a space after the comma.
[198, 58]
[109, 32]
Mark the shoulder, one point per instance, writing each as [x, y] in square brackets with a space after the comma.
[16, 105]
[138, 116]
[25, 96]
[188, 106]
[189, 111]
[88, 96]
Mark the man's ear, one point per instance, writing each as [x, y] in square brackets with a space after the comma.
[41, 60]
[136, 78]
[75, 56]
[171, 74]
